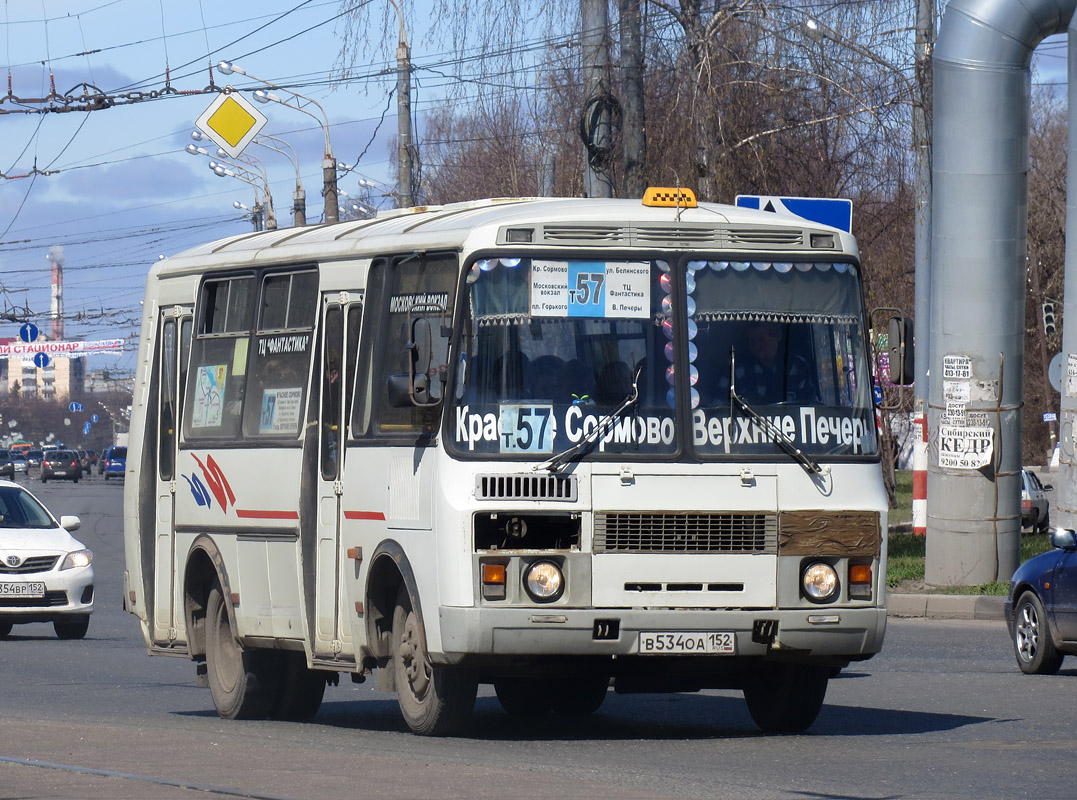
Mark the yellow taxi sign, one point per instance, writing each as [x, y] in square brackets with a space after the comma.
[666, 197]
[231, 121]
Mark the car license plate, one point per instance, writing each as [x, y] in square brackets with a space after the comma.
[29, 589]
[687, 642]
[61, 473]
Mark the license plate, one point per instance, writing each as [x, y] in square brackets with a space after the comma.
[687, 642]
[30, 589]
[59, 473]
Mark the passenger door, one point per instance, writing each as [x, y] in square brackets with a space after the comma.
[170, 364]
[335, 377]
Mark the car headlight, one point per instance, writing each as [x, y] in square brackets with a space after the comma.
[544, 581]
[78, 558]
[820, 582]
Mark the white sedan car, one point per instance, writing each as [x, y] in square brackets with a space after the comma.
[46, 574]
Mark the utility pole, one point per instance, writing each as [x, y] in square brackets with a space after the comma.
[596, 128]
[635, 141]
[404, 145]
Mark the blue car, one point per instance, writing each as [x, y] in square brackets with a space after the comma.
[114, 462]
[1041, 610]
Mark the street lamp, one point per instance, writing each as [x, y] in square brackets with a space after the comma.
[226, 170]
[329, 173]
[221, 170]
[299, 197]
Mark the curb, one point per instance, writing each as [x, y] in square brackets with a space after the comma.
[946, 606]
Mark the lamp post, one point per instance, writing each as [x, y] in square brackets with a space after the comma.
[405, 197]
[329, 172]
[239, 173]
[299, 197]
[221, 170]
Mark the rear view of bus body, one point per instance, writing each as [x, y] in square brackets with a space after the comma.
[531, 443]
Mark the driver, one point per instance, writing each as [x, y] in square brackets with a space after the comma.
[769, 373]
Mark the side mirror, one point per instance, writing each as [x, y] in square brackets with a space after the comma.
[1048, 487]
[70, 523]
[900, 349]
[1064, 539]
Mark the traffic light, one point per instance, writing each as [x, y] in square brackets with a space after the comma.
[1050, 325]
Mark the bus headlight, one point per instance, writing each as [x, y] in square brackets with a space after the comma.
[544, 581]
[820, 582]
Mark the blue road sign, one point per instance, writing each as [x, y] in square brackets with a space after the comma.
[41, 360]
[86, 428]
[833, 211]
[93, 418]
[76, 407]
[28, 332]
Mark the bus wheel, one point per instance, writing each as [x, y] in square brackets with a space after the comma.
[520, 696]
[301, 692]
[242, 682]
[786, 698]
[584, 695]
[434, 700]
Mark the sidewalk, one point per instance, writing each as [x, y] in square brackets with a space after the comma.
[945, 606]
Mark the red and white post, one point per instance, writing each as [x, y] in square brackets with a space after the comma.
[919, 478]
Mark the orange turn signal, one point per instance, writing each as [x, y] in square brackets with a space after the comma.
[860, 573]
[493, 573]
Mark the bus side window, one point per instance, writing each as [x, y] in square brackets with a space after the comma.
[427, 285]
[218, 372]
[280, 361]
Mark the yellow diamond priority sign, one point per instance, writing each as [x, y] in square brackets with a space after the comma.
[231, 121]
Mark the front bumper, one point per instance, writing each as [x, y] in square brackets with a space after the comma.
[68, 593]
[850, 633]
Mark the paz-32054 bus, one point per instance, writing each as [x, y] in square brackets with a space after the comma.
[552, 445]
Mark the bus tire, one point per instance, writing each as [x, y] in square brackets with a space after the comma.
[242, 682]
[5, 629]
[434, 700]
[301, 691]
[534, 696]
[523, 696]
[786, 698]
[583, 695]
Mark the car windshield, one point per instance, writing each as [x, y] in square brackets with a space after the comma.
[117, 452]
[550, 348]
[19, 509]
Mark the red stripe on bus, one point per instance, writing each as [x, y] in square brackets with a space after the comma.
[364, 515]
[253, 514]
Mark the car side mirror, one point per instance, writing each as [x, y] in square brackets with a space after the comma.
[1064, 539]
[70, 523]
[1048, 487]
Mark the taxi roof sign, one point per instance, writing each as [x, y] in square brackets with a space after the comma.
[669, 197]
[231, 121]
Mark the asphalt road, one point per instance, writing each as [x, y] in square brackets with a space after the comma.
[943, 712]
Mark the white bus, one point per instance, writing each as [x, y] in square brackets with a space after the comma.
[552, 445]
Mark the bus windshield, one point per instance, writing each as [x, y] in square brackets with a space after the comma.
[550, 347]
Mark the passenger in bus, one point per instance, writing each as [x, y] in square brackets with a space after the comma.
[508, 378]
[579, 383]
[768, 371]
[547, 379]
[614, 383]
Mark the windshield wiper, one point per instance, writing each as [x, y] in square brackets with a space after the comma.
[810, 465]
[604, 424]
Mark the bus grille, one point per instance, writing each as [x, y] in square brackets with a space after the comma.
[686, 533]
[527, 487]
[31, 564]
[759, 237]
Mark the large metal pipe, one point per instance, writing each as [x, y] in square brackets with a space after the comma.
[1065, 510]
[982, 94]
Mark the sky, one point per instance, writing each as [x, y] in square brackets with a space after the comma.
[120, 190]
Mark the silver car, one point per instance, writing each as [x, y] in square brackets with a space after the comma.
[46, 574]
[1035, 507]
